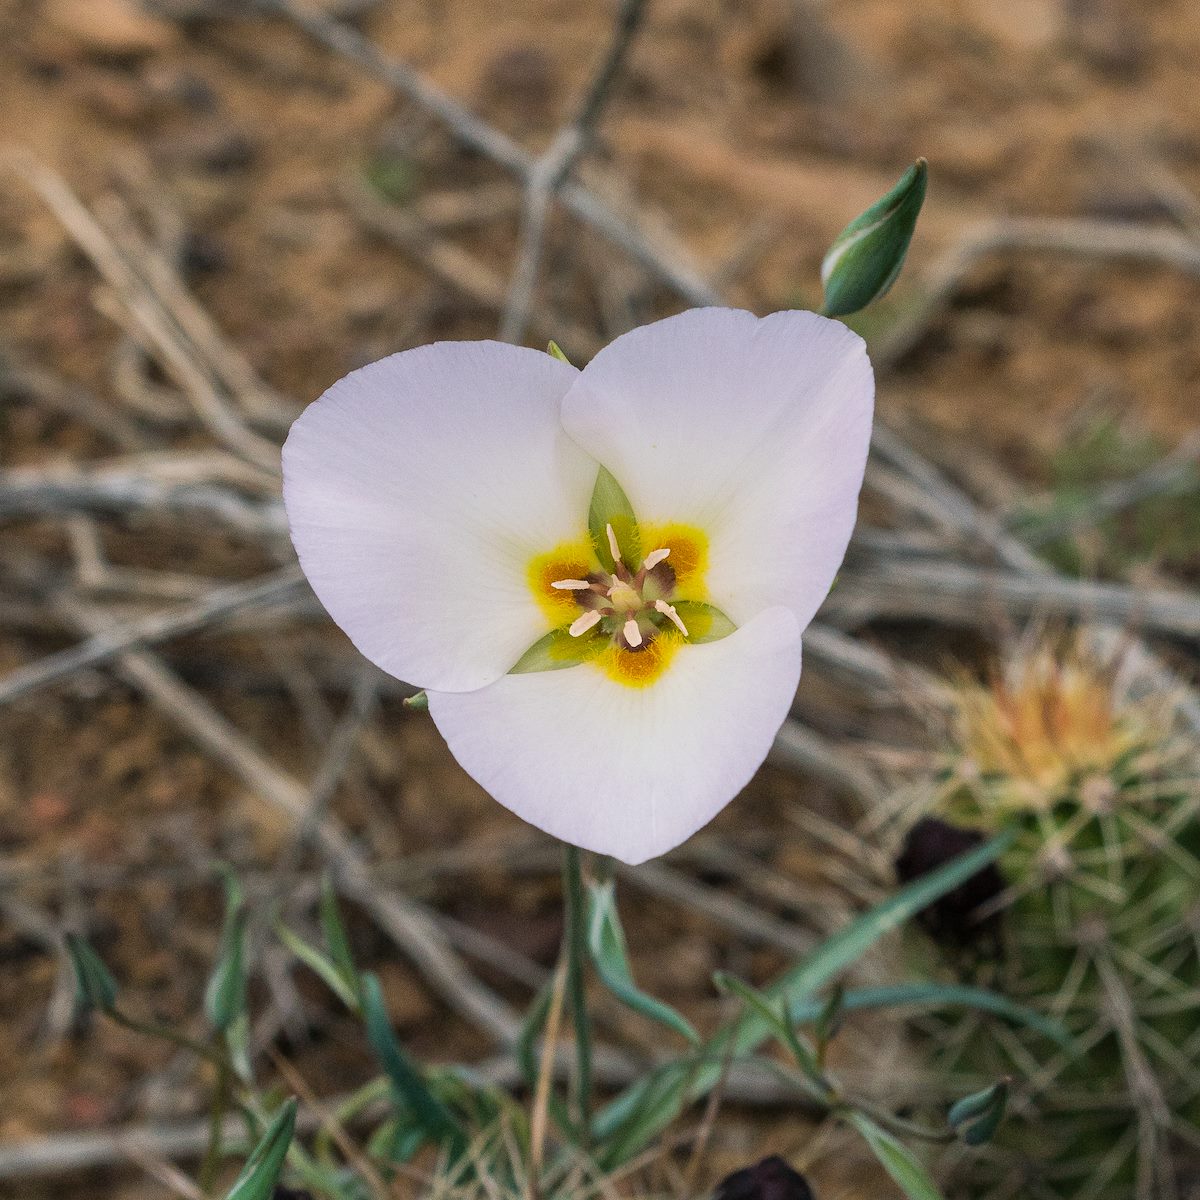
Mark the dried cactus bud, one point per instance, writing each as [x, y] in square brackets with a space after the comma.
[771, 1179]
[956, 918]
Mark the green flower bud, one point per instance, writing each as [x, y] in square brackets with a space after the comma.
[867, 255]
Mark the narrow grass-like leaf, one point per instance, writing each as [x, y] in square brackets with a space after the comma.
[95, 988]
[933, 996]
[774, 1012]
[608, 951]
[261, 1172]
[665, 1093]
[408, 1085]
[316, 962]
[337, 941]
[225, 995]
[897, 1159]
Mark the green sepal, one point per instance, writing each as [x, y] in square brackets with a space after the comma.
[418, 702]
[976, 1118]
[705, 622]
[555, 351]
[263, 1167]
[409, 1088]
[607, 948]
[558, 649]
[866, 257]
[95, 988]
[610, 506]
[225, 995]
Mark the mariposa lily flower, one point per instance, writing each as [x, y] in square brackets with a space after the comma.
[600, 577]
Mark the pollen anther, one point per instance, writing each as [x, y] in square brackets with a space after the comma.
[571, 585]
[668, 611]
[633, 635]
[612, 543]
[582, 624]
[654, 558]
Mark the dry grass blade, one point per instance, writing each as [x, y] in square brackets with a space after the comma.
[178, 356]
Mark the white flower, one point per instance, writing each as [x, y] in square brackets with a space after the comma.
[599, 576]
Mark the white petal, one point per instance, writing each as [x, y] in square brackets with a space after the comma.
[625, 771]
[756, 431]
[419, 488]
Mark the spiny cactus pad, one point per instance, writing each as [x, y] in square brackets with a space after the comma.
[1099, 925]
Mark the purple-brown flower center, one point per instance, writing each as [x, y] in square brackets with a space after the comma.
[632, 607]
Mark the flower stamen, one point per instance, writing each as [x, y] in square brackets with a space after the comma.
[613, 547]
[571, 585]
[582, 624]
[631, 632]
[654, 558]
[668, 611]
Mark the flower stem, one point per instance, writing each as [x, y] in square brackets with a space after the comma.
[216, 1120]
[575, 945]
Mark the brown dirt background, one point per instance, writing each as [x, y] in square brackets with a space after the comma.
[746, 132]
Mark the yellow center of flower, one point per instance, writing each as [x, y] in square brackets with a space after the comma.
[625, 621]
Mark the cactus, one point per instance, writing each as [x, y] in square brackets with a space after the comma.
[1099, 924]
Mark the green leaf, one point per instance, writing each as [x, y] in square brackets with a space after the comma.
[705, 622]
[558, 649]
[866, 257]
[678, 1084]
[408, 1086]
[937, 995]
[532, 1028]
[610, 506]
[608, 951]
[316, 962]
[337, 941]
[237, 1039]
[95, 988]
[897, 1159]
[772, 1011]
[261, 1172]
[555, 351]
[418, 702]
[976, 1118]
[225, 996]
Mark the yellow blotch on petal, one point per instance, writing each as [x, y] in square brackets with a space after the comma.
[688, 557]
[571, 560]
[640, 668]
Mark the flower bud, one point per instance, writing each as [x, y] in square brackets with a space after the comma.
[867, 255]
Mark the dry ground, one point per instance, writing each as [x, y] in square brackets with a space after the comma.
[746, 133]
